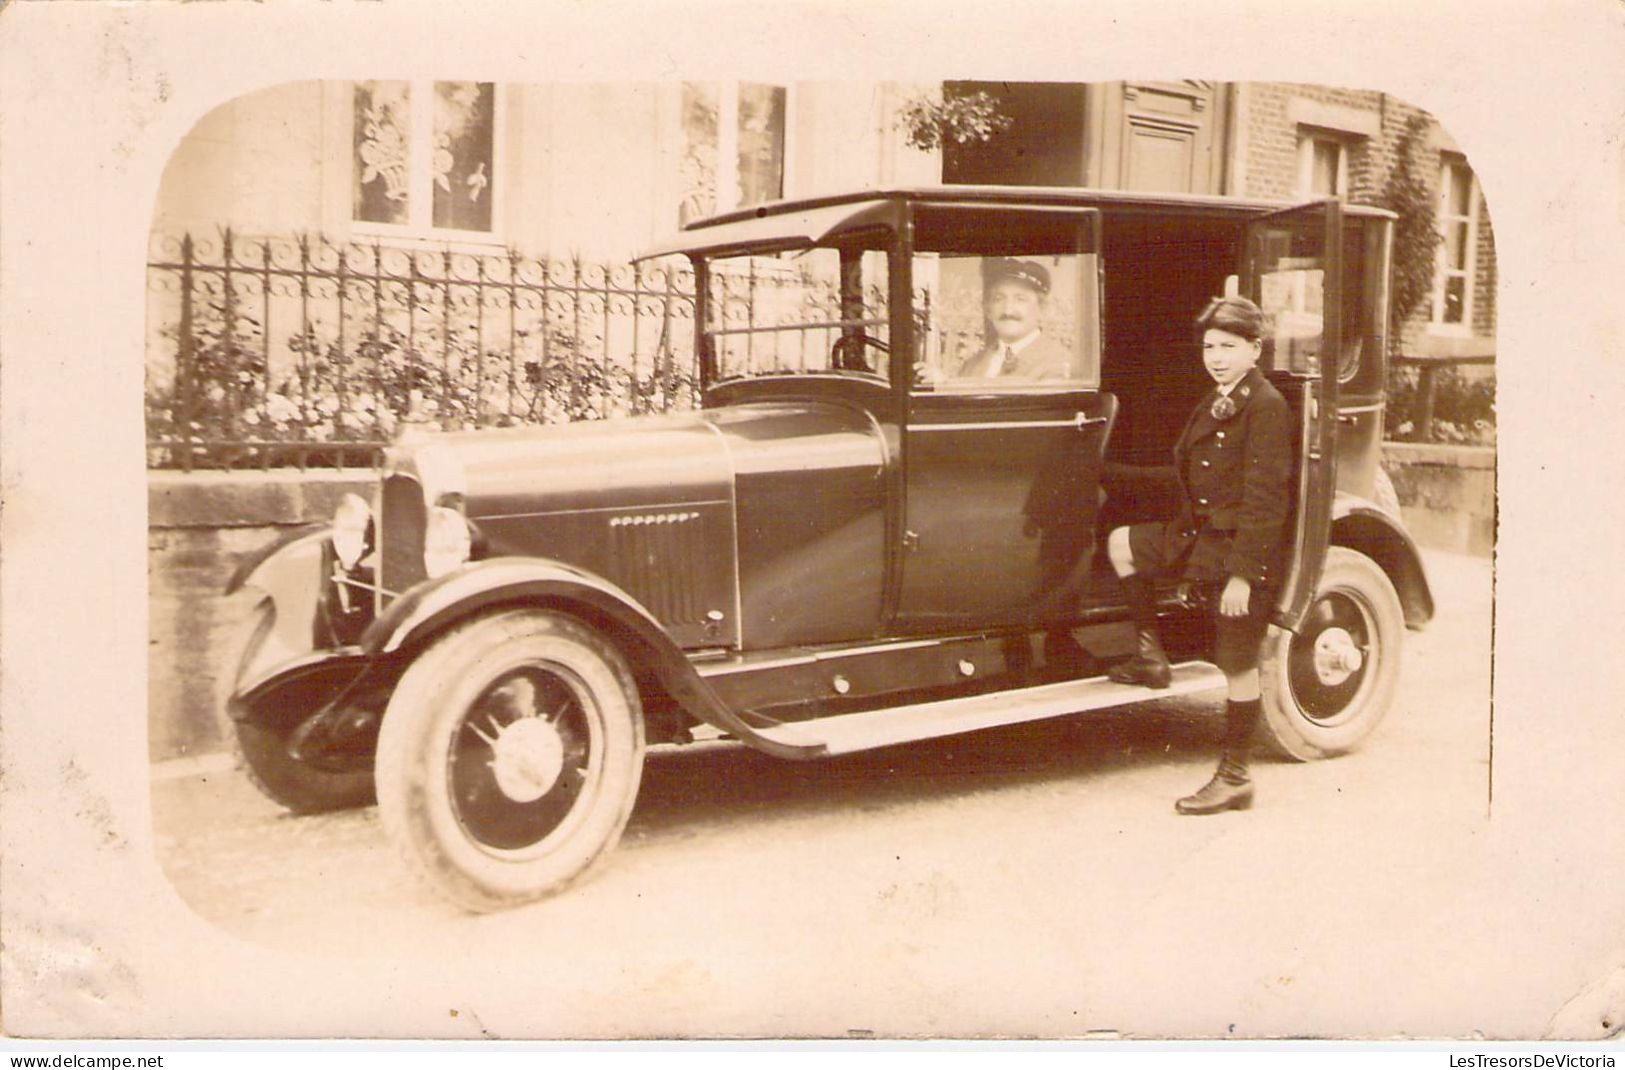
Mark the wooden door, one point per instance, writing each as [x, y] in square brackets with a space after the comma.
[1159, 137]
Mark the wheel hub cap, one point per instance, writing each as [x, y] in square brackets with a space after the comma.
[1337, 656]
[527, 758]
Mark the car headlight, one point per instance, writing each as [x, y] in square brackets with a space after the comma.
[446, 541]
[350, 535]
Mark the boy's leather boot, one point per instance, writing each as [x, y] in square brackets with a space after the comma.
[1232, 786]
[1149, 665]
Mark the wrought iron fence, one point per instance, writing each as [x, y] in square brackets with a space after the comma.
[301, 351]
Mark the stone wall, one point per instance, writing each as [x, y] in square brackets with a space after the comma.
[198, 526]
[1446, 494]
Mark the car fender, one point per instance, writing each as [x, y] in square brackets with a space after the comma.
[1362, 525]
[429, 608]
[288, 570]
[257, 569]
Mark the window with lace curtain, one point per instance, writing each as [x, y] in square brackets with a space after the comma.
[424, 159]
[733, 146]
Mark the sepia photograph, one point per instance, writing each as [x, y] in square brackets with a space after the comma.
[751, 550]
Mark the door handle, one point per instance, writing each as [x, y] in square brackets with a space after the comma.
[1081, 421]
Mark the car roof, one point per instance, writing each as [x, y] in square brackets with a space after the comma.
[788, 224]
[805, 221]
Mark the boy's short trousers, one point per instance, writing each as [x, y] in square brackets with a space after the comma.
[1237, 641]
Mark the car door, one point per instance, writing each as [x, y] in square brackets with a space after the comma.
[1292, 267]
[1001, 457]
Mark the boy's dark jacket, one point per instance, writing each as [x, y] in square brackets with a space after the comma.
[1235, 473]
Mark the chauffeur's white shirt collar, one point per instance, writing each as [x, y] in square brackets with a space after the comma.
[1017, 347]
[996, 365]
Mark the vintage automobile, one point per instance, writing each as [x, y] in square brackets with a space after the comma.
[848, 546]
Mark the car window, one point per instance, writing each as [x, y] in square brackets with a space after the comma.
[813, 311]
[1006, 299]
[1019, 321]
[1289, 256]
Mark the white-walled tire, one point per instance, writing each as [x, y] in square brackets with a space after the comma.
[1328, 686]
[509, 757]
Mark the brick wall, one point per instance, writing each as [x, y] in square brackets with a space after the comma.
[1272, 143]
[1271, 170]
[1484, 283]
[1413, 332]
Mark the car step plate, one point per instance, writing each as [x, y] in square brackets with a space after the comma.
[850, 732]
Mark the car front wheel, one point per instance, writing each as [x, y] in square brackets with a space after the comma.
[509, 757]
[297, 785]
[262, 736]
[1328, 686]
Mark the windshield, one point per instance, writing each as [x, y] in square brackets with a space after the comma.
[802, 311]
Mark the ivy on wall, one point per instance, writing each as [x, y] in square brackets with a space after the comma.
[1410, 196]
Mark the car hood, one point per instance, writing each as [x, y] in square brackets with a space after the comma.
[643, 461]
[635, 462]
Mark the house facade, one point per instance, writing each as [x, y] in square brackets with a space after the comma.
[1272, 140]
[465, 198]
[599, 170]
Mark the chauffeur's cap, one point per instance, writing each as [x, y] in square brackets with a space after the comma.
[997, 269]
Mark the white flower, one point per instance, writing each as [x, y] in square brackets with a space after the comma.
[280, 408]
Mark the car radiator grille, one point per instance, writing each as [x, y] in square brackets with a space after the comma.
[401, 522]
[659, 558]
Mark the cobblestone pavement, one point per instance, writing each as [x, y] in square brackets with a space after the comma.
[1024, 881]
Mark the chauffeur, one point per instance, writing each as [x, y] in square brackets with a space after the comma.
[1234, 461]
[1015, 296]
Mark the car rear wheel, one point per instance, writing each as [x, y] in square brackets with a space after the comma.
[509, 757]
[1328, 686]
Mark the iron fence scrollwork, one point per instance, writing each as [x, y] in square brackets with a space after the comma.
[269, 352]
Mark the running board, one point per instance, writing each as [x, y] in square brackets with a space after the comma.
[845, 733]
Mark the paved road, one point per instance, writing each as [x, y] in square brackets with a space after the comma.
[1025, 881]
